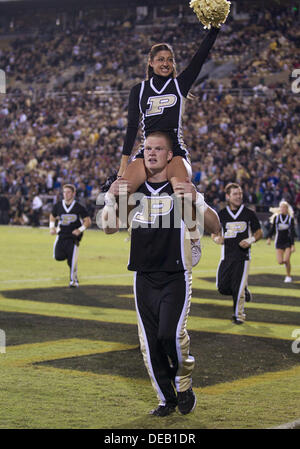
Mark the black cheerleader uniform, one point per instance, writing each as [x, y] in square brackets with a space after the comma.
[284, 230]
[160, 255]
[233, 269]
[66, 244]
[159, 102]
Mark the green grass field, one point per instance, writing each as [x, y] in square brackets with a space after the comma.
[72, 357]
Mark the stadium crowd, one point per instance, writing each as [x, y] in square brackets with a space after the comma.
[91, 54]
[56, 128]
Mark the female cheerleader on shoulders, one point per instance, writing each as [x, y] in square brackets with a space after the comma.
[157, 103]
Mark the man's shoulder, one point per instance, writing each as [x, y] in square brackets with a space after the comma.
[57, 204]
[223, 212]
[78, 205]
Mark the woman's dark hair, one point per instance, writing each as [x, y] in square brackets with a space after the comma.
[153, 52]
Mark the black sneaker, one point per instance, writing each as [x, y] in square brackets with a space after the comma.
[237, 321]
[248, 295]
[163, 410]
[186, 401]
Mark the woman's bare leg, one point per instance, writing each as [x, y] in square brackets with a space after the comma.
[178, 171]
[135, 174]
[279, 256]
[287, 261]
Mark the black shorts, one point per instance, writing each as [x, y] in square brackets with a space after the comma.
[232, 278]
[283, 245]
[64, 249]
[67, 249]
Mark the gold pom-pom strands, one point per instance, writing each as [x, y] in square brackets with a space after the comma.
[211, 12]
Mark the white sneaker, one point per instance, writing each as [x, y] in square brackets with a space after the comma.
[288, 279]
[74, 284]
[196, 252]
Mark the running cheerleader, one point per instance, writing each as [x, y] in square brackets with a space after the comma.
[283, 227]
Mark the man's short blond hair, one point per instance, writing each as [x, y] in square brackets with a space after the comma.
[70, 186]
[165, 135]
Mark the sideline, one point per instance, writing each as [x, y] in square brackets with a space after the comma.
[289, 425]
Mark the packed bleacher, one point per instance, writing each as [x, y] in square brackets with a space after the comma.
[64, 115]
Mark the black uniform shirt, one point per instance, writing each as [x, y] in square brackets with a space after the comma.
[69, 218]
[237, 226]
[158, 240]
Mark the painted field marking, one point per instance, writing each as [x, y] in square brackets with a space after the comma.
[255, 329]
[228, 303]
[242, 384]
[20, 355]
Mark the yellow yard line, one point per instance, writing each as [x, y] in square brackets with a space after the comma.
[251, 381]
[68, 311]
[21, 355]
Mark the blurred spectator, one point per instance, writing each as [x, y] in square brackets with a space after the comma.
[268, 196]
[4, 209]
[37, 205]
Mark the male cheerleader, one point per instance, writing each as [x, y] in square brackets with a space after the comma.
[240, 230]
[73, 220]
[160, 255]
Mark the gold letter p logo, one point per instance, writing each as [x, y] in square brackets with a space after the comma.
[159, 103]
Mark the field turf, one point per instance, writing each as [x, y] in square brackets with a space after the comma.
[72, 358]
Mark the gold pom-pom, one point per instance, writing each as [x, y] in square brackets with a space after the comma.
[211, 12]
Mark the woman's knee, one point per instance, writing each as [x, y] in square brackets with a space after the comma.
[178, 170]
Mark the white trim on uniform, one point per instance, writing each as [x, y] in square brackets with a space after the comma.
[155, 191]
[243, 284]
[185, 363]
[140, 96]
[67, 209]
[163, 88]
[235, 216]
[54, 246]
[73, 271]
